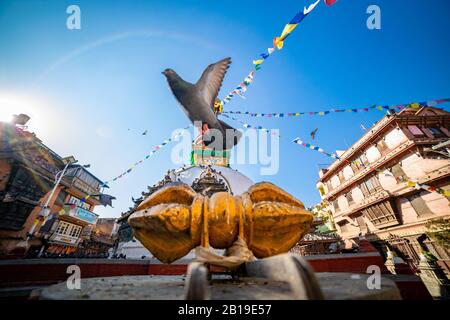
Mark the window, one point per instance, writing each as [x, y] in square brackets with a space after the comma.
[437, 132]
[75, 232]
[359, 163]
[83, 175]
[419, 205]
[341, 176]
[370, 186]
[349, 197]
[375, 182]
[329, 187]
[68, 229]
[361, 223]
[398, 173]
[381, 214]
[416, 131]
[62, 227]
[336, 205]
[344, 227]
[364, 190]
[382, 147]
[355, 165]
[364, 159]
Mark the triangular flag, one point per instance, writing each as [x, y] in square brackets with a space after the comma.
[330, 2]
[288, 29]
[310, 8]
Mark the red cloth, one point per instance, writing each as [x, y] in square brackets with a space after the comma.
[330, 2]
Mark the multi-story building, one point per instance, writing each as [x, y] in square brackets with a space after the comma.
[63, 233]
[98, 239]
[27, 176]
[392, 182]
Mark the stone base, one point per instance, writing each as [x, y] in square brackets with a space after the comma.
[335, 286]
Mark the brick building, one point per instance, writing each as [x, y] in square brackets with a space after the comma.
[27, 175]
[373, 190]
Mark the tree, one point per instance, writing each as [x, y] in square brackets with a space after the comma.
[439, 231]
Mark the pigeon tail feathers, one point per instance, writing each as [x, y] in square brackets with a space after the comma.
[230, 137]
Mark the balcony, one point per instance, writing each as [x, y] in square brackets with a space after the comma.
[372, 167]
[84, 186]
[64, 239]
[367, 201]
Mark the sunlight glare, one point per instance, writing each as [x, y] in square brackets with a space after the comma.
[11, 104]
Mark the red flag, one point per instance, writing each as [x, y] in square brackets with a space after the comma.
[330, 2]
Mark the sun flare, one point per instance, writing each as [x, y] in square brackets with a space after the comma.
[11, 104]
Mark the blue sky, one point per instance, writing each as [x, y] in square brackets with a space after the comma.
[85, 88]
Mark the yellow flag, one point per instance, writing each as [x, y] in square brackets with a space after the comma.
[411, 184]
[287, 29]
[278, 43]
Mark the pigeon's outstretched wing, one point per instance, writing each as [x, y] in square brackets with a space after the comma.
[211, 80]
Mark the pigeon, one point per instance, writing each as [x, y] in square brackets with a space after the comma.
[145, 132]
[313, 133]
[197, 101]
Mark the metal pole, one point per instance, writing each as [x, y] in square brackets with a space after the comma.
[45, 210]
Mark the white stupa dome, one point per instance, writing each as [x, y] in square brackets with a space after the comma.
[236, 182]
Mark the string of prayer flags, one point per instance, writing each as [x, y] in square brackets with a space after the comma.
[417, 185]
[312, 147]
[413, 105]
[278, 43]
[155, 149]
[44, 219]
[241, 88]
[409, 183]
[246, 125]
[298, 141]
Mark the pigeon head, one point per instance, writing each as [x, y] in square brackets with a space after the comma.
[169, 73]
[172, 78]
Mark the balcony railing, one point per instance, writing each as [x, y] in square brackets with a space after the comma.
[56, 237]
[84, 186]
[367, 201]
[373, 166]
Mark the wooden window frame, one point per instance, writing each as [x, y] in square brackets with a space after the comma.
[382, 147]
[352, 201]
[341, 176]
[440, 133]
[414, 128]
[336, 206]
